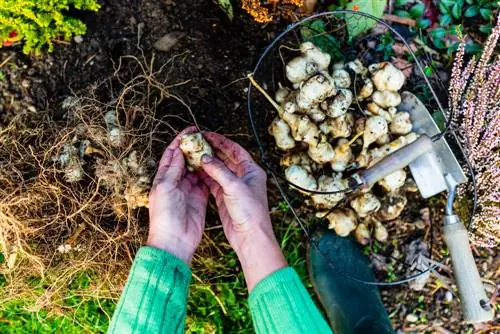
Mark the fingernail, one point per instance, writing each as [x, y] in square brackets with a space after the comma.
[206, 158]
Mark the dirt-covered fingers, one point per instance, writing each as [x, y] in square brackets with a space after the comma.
[220, 173]
[230, 151]
[197, 183]
[170, 152]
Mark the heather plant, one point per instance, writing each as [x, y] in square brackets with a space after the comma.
[37, 23]
[474, 96]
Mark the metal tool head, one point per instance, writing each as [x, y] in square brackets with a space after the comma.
[429, 169]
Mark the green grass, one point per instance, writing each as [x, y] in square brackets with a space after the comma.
[76, 315]
[217, 301]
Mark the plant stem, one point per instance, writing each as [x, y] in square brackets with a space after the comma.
[263, 91]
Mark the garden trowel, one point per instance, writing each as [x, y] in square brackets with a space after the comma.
[435, 168]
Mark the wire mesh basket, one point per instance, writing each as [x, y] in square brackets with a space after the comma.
[334, 33]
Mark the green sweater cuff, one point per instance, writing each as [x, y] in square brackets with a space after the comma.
[155, 297]
[281, 304]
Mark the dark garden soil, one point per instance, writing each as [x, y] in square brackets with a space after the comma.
[213, 57]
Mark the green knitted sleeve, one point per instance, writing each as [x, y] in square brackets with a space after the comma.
[155, 297]
[281, 304]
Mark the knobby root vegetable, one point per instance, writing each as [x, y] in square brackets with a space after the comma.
[341, 78]
[392, 205]
[339, 66]
[375, 127]
[343, 156]
[367, 89]
[410, 186]
[328, 201]
[338, 127]
[299, 158]
[315, 54]
[386, 76]
[365, 204]
[303, 129]
[401, 124]
[321, 152]
[384, 139]
[363, 159]
[380, 232]
[386, 99]
[290, 107]
[375, 110]
[359, 125]
[71, 162]
[393, 181]
[339, 104]
[311, 61]
[315, 90]
[281, 94]
[316, 114]
[280, 130]
[362, 234]
[116, 135]
[299, 176]
[357, 67]
[342, 221]
[194, 147]
[299, 69]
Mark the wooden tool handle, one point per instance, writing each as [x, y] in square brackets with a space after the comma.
[470, 286]
[397, 160]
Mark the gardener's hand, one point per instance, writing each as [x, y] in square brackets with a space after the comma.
[239, 187]
[177, 205]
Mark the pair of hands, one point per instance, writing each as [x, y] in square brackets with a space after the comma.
[178, 205]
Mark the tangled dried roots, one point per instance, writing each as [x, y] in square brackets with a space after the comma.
[71, 187]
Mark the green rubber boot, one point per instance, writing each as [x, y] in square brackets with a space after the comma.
[351, 306]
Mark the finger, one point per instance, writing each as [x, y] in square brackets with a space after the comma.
[218, 171]
[234, 167]
[241, 169]
[177, 140]
[204, 189]
[214, 188]
[208, 180]
[192, 178]
[175, 171]
[166, 158]
[231, 150]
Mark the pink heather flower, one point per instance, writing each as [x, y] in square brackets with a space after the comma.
[474, 103]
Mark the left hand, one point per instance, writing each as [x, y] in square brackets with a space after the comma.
[177, 205]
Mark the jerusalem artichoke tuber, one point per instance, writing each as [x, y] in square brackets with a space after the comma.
[194, 146]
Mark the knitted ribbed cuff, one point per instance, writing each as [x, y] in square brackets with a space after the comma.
[280, 303]
[155, 297]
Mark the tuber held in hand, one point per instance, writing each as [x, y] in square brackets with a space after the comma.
[194, 146]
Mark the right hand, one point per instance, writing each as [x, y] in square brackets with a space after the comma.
[239, 187]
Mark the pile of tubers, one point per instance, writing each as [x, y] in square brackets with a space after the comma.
[334, 119]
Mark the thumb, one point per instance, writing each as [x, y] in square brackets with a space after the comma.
[218, 171]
